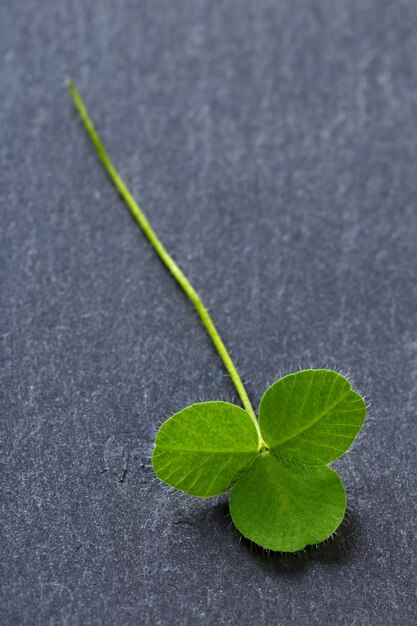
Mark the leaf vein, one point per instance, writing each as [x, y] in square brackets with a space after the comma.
[328, 410]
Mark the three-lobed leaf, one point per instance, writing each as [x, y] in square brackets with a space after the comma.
[284, 496]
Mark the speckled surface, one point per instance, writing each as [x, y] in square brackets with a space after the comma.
[274, 147]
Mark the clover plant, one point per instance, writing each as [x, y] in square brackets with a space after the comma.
[284, 495]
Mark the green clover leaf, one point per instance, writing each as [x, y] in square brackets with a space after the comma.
[311, 417]
[284, 496]
[284, 506]
[202, 449]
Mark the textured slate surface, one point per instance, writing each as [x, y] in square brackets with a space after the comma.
[274, 146]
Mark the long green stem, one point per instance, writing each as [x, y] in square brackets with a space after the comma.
[166, 258]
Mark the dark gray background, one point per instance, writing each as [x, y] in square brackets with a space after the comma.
[273, 144]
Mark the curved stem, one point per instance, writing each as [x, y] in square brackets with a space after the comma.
[163, 254]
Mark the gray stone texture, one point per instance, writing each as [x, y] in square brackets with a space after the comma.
[273, 145]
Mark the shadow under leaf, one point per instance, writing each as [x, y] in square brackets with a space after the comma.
[338, 549]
